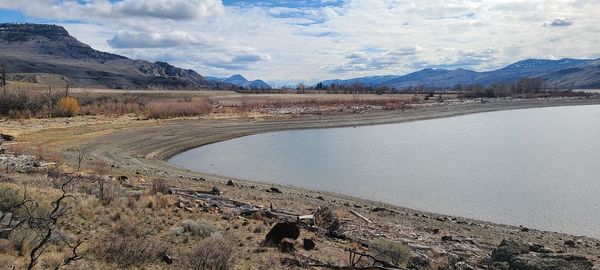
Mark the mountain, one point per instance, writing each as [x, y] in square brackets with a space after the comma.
[241, 81]
[47, 53]
[563, 73]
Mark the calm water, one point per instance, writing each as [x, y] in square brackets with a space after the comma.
[537, 167]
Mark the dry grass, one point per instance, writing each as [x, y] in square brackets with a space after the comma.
[172, 109]
[211, 253]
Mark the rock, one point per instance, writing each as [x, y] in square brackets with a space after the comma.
[539, 248]
[280, 231]
[215, 191]
[570, 243]
[230, 183]
[508, 249]
[550, 262]
[524, 229]
[447, 238]
[274, 190]
[287, 245]
[167, 259]
[308, 244]
[418, 261]
[6, 137]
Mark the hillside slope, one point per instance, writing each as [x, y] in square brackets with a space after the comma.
[30, 50]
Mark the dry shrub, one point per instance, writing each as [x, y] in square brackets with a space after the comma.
[24, 104]
[68, 106]
[127, 250]
[198, 228]
[211, 253]
[159, 186]
[326, 220]
[172, 109]
[392, 252]
[163, 202]
[126, 245]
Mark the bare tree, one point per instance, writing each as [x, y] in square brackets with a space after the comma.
[3, 78]
[21, 211]
[50, 227]
[81, 154]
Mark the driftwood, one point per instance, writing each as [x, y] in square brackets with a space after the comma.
[360, 216]
[243, 207]
[354, 257]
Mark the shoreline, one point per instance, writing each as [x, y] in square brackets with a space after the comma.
[164, 152]
[140, 150]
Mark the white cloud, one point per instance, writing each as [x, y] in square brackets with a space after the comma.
[354, 38]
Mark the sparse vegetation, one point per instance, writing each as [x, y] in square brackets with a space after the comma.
[197, 228]
[211, 253]
[68, 106]
[393, 252]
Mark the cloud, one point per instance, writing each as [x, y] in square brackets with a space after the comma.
[95, 9]
[170, 9]
[127, 39]
[283, 40]
[374, 60]
[558, 22]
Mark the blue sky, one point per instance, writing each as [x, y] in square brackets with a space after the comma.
[287, 42]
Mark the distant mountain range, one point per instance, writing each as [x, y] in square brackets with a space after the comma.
[240, 81]
[564, 73]
[48, 54]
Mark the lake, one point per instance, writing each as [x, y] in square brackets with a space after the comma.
[538, 168]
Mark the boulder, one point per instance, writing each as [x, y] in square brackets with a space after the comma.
[508, 249]
[286, 245]
[230, 183]
[570, 243]
[280, 231]
[308, 244]
[215, 191]
[550, 262]
[512, 255]
[419, 261]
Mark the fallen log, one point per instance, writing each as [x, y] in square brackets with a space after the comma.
[360, 216]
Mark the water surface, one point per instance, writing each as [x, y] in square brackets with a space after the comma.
[536, 167]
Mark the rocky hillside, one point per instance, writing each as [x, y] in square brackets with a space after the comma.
[564, 73]
[41, 53]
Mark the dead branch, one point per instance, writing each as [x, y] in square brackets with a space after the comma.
[360, 216]
[48, 225]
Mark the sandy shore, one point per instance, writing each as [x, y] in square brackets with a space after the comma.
[139, 149]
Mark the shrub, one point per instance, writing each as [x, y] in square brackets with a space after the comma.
[171, 109]
[68, 106]
[212, 253]
[393, 252]
[200, 229]
[159, 186]
[129, 251]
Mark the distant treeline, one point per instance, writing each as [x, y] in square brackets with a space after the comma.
[524, 86]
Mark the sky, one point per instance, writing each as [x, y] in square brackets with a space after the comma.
[288, 42]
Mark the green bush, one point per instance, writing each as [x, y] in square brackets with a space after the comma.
[200, 229]
[392, 252]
